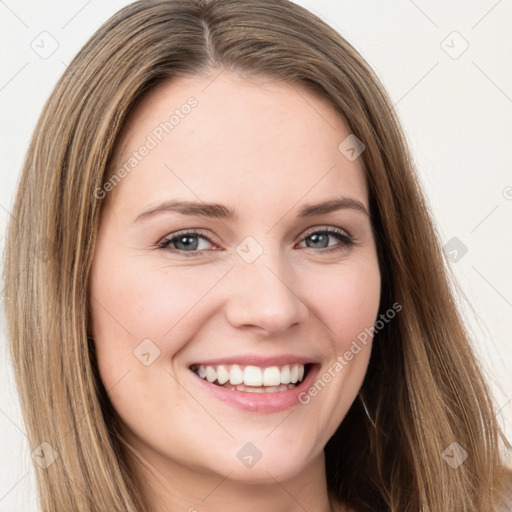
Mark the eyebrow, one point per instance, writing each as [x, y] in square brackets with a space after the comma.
[220, 211]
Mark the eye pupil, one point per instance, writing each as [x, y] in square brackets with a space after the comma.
[189, 242]
[318, 239]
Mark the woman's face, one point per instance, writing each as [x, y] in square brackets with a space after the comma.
[254, 297]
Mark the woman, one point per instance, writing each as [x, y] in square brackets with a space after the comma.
[241, 301]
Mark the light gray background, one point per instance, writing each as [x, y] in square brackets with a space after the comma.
[455, 106]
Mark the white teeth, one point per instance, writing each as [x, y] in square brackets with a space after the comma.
[222, 374]
[271, 379]
[236, 376]
[270, 389]
[271, 376]
[211, 374]
[285, 375]
[253, 376]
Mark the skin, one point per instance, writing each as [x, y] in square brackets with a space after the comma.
[265, 149]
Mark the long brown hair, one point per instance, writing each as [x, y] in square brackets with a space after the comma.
[424, 389]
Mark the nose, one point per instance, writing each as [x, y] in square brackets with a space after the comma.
[264, 295]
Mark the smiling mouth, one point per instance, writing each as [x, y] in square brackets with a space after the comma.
[253, 379]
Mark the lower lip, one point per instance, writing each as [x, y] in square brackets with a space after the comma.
[261, 402]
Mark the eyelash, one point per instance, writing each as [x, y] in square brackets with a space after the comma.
[347, 240]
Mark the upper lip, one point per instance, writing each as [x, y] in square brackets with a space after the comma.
[257, 360]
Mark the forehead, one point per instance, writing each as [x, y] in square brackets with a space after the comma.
[249, 141]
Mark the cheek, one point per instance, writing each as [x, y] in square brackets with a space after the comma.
[347, 300]
[142, 318]
[130, 306]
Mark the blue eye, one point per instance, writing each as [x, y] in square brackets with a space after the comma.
[190, 241]
[321, 239]
[187, 241]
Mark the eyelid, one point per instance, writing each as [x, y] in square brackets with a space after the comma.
[327, 228]
[344, 237]
[192, 231]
